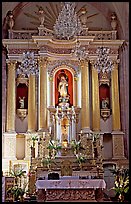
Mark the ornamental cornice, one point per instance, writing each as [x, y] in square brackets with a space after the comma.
[55, 64]
[20, 51]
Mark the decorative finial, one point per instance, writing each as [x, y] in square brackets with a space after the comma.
[11, 21]
[41, 16]
[113, 21]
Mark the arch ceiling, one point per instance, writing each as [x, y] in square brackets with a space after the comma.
[98, 14]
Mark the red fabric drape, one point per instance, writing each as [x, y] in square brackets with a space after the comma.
[70, 85]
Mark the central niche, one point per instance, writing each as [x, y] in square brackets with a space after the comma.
[63, 87]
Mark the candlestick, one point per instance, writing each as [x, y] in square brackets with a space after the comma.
[50, 129]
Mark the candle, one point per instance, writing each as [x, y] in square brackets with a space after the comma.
[50, 129]
[93, 138]
[57, 109]
[43, 135]
[39, 139]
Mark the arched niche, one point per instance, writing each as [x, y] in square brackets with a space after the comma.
[69, 78]
[71, 73]
[104, 93]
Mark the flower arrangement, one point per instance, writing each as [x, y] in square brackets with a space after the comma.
[76, 146]
[54, 145]
[17, 174]
[47, 161]
[34, 138]
[17, 190]
[95, 136]
[80, 158]
[121, 187]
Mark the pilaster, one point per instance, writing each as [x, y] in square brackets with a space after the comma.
[11, 97]
[42, 124]
[95, 100]
[85, 111]
[32, 105]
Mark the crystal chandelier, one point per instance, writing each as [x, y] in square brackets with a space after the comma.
[79, 52]
[67, 25]
[103, 63]
[28, 65]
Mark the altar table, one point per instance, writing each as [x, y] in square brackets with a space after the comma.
[69, 190]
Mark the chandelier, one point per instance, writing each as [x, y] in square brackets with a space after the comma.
[103, 63]
[79, 52]
[67, 25]
[28, 65]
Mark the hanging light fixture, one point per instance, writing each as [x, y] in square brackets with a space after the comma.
[28, 65]
[103, 63]
[67, 25]
[80, 52]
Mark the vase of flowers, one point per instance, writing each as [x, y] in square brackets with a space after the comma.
[47, 162]
[33, 138]
[76, 146]
[80, 158]
[54, 147]
[121, 184]
[18, 190]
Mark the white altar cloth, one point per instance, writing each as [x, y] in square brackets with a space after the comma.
[71, 184]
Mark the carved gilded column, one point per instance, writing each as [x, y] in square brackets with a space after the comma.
[51, 90]
[95, 100]
[32, 104]
[85, 111]
[75, 92]
[115, 99]
[42, 124]
[117, 135]
[11, 97]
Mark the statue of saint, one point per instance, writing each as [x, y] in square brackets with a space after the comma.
[21, 101]
[63, 87]
[105, 103]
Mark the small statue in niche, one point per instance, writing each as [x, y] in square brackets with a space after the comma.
[21, 101]
[63, 85]
[105, 103]
[63, 89]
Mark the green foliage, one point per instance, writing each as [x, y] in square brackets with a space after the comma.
[80, 158]
[17, 192]
[17, 174]
[54, 145]
[47, 161]
[95, 136]
[121, 184]
[76, 146]
[34, 138]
